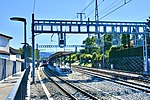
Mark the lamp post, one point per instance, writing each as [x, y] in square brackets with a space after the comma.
[27, 54]
[25, 42]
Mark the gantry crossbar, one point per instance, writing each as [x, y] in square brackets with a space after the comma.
[55, 46]
[91, 27]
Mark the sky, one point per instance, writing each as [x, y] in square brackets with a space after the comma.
[136, 10]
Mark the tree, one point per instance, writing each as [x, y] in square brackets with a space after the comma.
[128, 40]
[29, 51]
[90, 44]
[108, 41]
[125, 40]
[96, 58]
[37, 54]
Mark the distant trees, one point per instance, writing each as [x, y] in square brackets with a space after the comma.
[29, 52]
[91, 55]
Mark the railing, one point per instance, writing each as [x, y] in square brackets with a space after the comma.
[19, 91]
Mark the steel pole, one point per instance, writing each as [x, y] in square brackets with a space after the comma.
[33, 69]
[25, 41]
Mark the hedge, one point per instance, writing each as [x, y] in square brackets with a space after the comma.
[130, 52]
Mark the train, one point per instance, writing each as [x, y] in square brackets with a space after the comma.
[44, 62]
[60, 69]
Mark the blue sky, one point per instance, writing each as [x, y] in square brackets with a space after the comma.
[136, 10]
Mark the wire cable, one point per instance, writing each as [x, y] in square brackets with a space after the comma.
[94, 9]
[109, 7]
[87, 6]
[144, 17]
[82, 12]
[84, 9]
[115, 9]
[34, 5]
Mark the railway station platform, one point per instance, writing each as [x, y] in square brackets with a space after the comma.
[8, 85]
[20, 87]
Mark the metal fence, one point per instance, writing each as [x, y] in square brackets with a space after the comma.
[19, 91]
[133, 64]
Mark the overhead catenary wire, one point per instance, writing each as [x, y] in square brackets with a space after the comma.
[109, 7]
[82, 12]
[115, 9]
[34, 2]
[87, 6]
[84, 8]
[144, 17]
[94, 9]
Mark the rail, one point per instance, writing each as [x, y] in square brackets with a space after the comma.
[142, 87]
[86, 94]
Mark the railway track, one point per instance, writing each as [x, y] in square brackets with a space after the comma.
[73, 92]
[122, 74]
[144, 88]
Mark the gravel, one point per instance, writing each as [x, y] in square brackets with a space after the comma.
[101, 88]
[105, 89]
[36, 90]
[55, 92]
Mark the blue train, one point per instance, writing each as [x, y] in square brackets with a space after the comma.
[62, 70]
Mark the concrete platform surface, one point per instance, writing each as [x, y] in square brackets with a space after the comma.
[7, 85]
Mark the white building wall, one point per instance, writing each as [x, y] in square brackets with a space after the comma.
[13, 57]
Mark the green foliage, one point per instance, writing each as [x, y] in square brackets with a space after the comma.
[108, 41]
[37, 54]
[108, 37]
[72, 58]
[90, 45]
[116, 52]
[29, 51]
[85, 58]
[125, 40]
[22, 53]
[90, 41]
[91, 55]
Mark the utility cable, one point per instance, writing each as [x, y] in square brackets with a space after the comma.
[34, 5]
[144, 17]
[115, 9]
[84, 9]
[87, 6]
[109, 7]
[82, 12]
[94, 9]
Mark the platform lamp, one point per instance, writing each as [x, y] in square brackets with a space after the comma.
[25, 23]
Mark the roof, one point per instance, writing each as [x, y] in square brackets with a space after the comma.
[6, 36]
[14, 51]
[4, 52]
[59, 54]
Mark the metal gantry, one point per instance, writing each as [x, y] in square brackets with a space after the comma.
[92, 27]
[56, 46]
[84, 27]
